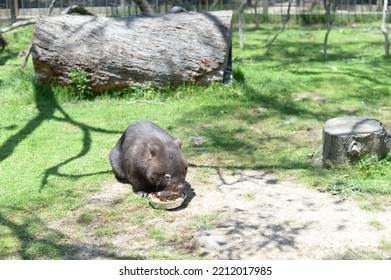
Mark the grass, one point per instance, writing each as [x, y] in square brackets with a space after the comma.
[54, 148]
[376, 224]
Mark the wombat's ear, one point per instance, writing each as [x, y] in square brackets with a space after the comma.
[152, 150]
[178, 142]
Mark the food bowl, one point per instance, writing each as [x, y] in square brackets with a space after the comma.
[166, 199]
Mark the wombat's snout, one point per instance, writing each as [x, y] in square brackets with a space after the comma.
[177, 188]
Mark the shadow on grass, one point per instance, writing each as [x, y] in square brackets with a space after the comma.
[47, 105]
[245, 139]
[36, 241]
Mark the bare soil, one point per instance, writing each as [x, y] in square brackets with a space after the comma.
[228, 215]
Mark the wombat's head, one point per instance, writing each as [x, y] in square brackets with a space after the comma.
[168, 167]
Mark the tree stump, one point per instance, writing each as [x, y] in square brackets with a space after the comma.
[347, 139]
[169, 49]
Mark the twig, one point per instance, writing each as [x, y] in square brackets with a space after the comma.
[28, 52]
[213, 5]
[71, 9]
[51, 6]
[241, 22]
[328, 27]
[145, 101]
[288, 15]
[18, 24]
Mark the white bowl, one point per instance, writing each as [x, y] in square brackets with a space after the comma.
[170, 204]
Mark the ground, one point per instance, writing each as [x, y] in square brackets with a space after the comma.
[228, 215]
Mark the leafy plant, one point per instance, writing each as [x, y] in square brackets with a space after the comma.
[371, 167]
[80, 83]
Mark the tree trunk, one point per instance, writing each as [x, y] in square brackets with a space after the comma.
[347, 139]
[214, 3]
[144, 7]
[256, 14]
[265, 5]
[288, 15]
[14, 8]
[328, 26]
[241, 23]
[169, 49]
[384, 29]
[378, 5]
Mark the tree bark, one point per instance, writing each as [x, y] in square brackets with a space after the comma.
[347, 139]
[256, 14]
[241, 22]
[214, 3]
[265, 6]
[327, 5]
[288, 15]
[76, 9]
[169, 49]
[14, 8]
[144, 7]
[384, 29]
[378, 5]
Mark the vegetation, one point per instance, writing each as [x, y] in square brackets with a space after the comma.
[54, 145]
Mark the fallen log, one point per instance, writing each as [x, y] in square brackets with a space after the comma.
[348, 139]
[168, 49]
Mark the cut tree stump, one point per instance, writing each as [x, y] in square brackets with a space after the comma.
[347, 139]
[169, 49]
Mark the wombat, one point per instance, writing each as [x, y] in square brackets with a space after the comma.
[149, 158]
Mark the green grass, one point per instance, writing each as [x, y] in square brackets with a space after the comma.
[54, 148]
[376, 224]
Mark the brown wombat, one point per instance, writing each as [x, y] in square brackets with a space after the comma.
[149, 158]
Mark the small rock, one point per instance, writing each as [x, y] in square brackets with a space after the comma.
[197, 140]
[211, 239]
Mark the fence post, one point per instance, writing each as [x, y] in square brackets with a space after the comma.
[14, 8]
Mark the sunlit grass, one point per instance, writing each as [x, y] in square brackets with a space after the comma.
[54, 149]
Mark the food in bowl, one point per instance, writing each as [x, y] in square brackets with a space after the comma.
[172, 197]
[166, 199]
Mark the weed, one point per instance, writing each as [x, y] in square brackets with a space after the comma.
[86, 218]
[157, 233]
[142, 91]
[104, 231]
[367, 175]
[205, 222]
[249, 196]
[370, 167]
[367, 207]
[80, 83]
[376, 224]
[385, 245]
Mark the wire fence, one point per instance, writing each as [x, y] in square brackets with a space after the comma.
[355, 9]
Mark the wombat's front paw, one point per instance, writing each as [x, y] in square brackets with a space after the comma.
[142, 194]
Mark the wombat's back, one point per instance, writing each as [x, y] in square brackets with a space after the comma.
[146, 130]
[145, 151]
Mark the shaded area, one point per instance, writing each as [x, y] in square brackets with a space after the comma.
[266, 219]
[47, 105]
[36, 241]
[276, 94]
[269, 236]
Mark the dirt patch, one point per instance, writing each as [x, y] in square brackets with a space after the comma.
[246, 215]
